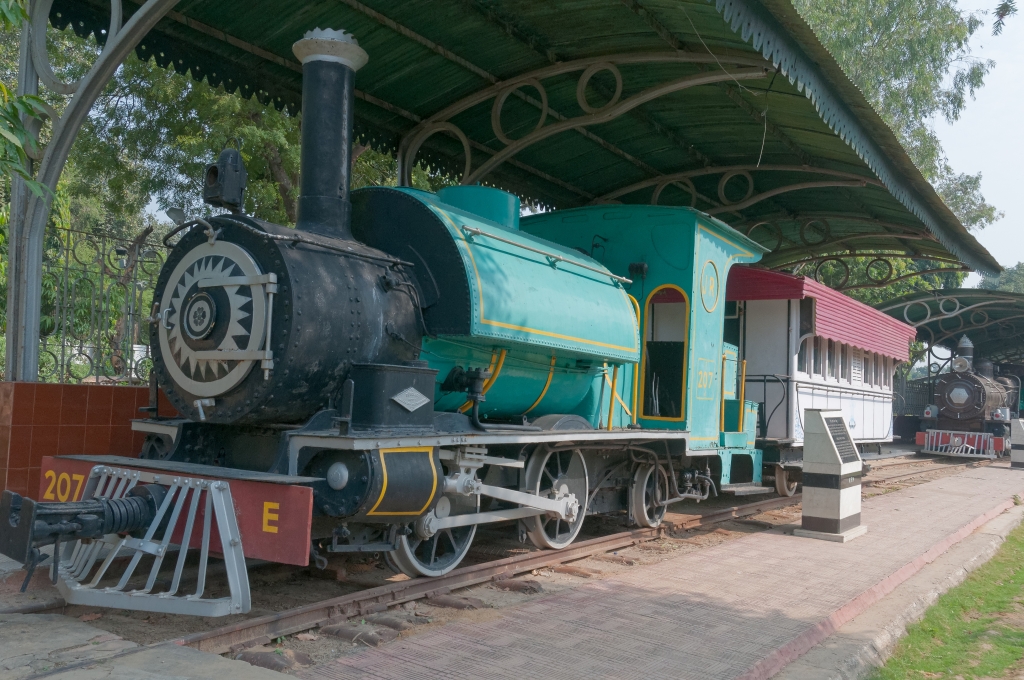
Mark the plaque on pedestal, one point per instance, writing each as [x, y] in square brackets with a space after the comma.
[831, 478]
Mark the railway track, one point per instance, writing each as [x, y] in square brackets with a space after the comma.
[921, 471]
[262, 629]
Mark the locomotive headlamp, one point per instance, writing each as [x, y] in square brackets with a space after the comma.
[224, 182]
[337, 476]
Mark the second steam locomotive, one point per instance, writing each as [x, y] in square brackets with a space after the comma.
[973, 408]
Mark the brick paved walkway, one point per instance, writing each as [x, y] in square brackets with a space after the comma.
[711, 614]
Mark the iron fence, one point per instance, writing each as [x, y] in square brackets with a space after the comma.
[913, 395]
[97, 294]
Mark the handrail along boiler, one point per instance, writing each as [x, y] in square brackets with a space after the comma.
[418, 364]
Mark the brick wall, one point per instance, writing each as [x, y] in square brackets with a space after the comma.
[44, 419]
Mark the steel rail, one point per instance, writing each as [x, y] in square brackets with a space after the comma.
[925, 471]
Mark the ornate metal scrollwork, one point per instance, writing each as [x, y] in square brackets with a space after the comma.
[776, 232]
[751, 196]
[882, 279]
[684, 184]
[838, 261]
[825, 236]
[97, 297]
[875, 260]
[725, 180]
[734, 69]
[499, 103]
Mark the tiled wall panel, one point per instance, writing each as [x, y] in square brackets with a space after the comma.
[45, 419]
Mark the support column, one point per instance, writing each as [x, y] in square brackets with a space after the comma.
[28, 222]
[17, 291]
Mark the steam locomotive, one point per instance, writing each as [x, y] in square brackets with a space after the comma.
[426, 363]
[973, 408]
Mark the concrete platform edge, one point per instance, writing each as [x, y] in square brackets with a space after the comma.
[796, 648]
[865, 643]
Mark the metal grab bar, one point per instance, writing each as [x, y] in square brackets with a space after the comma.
[783, 381]
[473, 231]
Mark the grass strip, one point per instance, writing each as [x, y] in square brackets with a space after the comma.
[975, 630]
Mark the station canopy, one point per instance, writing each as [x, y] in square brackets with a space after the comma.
[992, 319]
[733, 107]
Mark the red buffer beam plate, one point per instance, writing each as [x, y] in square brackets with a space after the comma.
[274, 519]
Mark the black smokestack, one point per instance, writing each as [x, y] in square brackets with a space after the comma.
[965, 348]
[330, 60]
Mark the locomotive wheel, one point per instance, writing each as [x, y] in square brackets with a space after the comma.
[783, 486]
[442, 552]
[556, 475]
[650, 487]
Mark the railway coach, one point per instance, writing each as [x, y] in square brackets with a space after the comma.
[808, 346]
[397, 370]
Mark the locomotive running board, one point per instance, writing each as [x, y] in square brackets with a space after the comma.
[188, 499]
[330, 439]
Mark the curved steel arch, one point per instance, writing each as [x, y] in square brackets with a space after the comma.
[843, 179]
[30, 212]
[976, 311]
[748, 69]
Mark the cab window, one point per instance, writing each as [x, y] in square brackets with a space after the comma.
[665, 352]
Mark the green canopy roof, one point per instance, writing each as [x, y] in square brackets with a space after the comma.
[992, 319]
[734, 107]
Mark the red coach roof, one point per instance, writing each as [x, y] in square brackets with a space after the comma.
[836, 316]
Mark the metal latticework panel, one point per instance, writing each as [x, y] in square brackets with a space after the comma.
[97, 293]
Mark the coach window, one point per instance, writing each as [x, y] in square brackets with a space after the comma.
[832, 368]
[819, 356]
[809, 359]
[844, 363]
[664, 360]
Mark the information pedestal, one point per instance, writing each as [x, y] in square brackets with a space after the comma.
[831, 479]
[1017, 444]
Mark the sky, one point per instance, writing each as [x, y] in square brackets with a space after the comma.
[988, 137]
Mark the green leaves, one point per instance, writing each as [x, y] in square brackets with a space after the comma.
[16, 141]
[12, 13]
[912, 59]
[1011, 280]
[1004, 10]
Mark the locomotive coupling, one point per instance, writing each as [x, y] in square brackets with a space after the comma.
[31, 524]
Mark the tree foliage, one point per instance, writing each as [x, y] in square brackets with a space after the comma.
[913, 61]
[151, 133]
[16, 141]
[1011, 280]
[1004, 10]
[142, 149]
